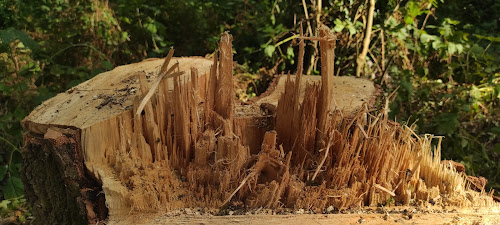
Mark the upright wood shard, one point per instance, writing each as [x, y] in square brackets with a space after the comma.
[195, 99]
[288, 108]
[306, 130]
[300, 66]
[225, 91]
[285, 112]
[182, 122]
[300, 69]
[327, 49]
[211, 88]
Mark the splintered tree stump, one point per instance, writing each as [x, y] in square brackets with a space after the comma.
[150, 138]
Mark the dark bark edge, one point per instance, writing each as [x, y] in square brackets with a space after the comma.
[58, 187]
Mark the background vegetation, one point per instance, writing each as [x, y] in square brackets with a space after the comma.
[443, 55]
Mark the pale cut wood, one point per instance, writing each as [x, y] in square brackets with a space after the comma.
[106, 95]
[348, 93]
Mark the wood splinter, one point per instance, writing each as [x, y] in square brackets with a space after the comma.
[163, 73]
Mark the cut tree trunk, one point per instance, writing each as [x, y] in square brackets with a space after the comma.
[134, 143]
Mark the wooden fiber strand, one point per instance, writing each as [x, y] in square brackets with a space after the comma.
[161, 75]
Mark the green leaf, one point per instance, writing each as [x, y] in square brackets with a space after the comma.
[12, 188]
[45, 8]
[352, 29]
[43, 94]
[289, 53]
[413, 10]
[339, 25]
[269, 50]
[107, 65]
[3, 171]
[476, 49]
[73, 83]
[447, 123]
[408, 19]
[452, 48]
[464, 143]
[425, 38]
[495, 130]
[151, 28]
[452, 22]
[436, 45]
[460, 48]
[474, 92]
[4, 205]
[406, 85]
[10, 34]
[497, 148]
[489, 38]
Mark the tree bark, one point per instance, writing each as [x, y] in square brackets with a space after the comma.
[56, 183]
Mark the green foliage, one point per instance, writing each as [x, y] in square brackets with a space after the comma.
[46, 47]
[449, 85]
[14, 206]
[13, 187]
[194, 27]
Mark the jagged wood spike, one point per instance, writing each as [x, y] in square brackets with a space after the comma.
[327, 52]
[224, 100]
[298, 76]
[210, 96]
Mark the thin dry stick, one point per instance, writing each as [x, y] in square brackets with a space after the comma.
[385, 189]
[153, 89]
[362, 130]
[386, 106]
[426, 17]
[167, 61]
[383, 49]
[309, 29]
[161, 75]
[366, 42]
[314, 59]
[317, 38]
[300, 65]
[376, 62]
[324, 159]
[238, 188]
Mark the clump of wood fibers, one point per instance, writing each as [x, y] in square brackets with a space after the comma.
[186, 148]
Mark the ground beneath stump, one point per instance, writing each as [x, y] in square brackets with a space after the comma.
[371, 215]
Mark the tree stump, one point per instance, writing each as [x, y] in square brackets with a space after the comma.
[151, 137]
